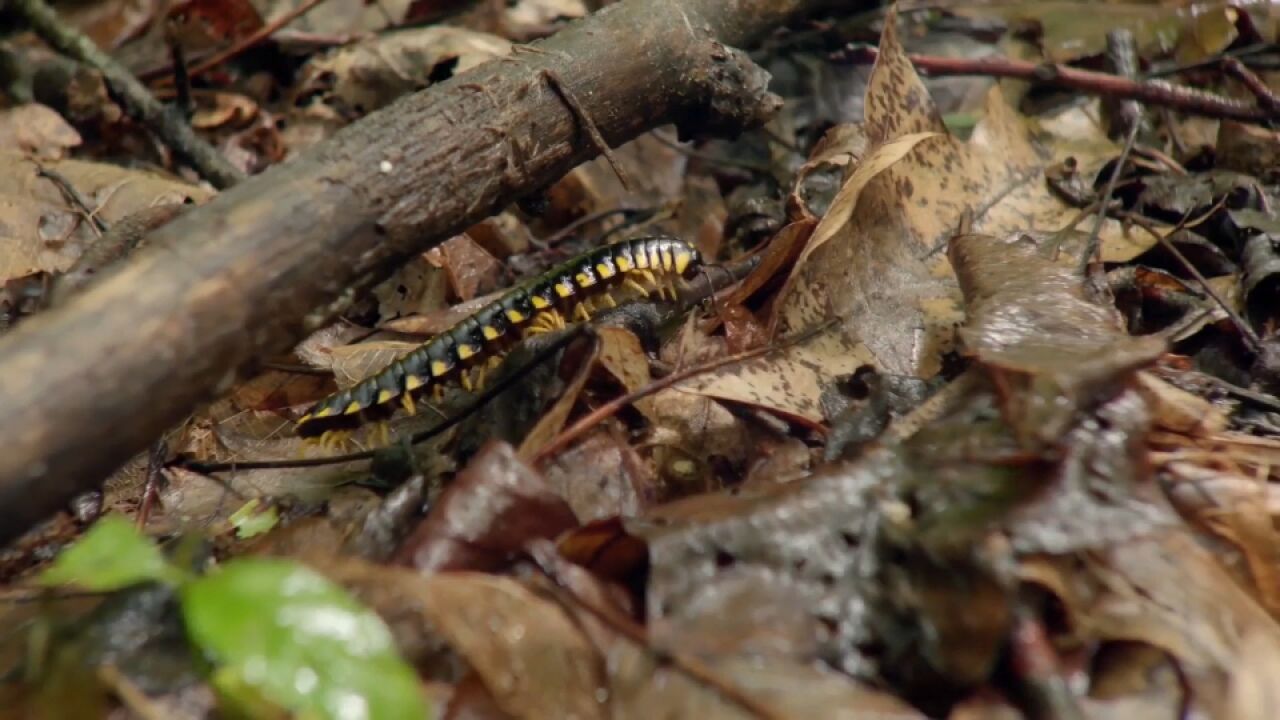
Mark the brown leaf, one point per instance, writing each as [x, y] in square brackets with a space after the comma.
[363, 77]
[1028, 316]
[883, 271]
[219, 109]
[37, 130]
[869, 165]
[655, 171]
[486, 517]
[622, 355]
[436, 322]
[601, 476]
[533, 658]
[1169, 592]
[789, 381]
[204, 24]
[39, 230]
[471, 270]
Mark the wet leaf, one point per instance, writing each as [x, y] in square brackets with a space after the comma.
[1027, 315]
[112, 555]
[302, 642]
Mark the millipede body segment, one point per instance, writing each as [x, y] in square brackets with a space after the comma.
[645, 265]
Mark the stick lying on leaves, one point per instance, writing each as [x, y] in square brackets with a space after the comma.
[88, 385]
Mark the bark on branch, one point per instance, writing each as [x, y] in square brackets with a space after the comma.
[87, 385]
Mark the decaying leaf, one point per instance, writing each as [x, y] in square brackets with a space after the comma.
[554, 419]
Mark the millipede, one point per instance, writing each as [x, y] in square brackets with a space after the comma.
[644, 266]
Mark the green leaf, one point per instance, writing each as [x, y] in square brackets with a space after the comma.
[301, 641]
[252, 520]
[111, 555]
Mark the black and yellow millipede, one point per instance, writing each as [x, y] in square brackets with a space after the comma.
[643, 266]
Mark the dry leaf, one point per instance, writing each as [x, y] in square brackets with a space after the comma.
[353, 363]
[789, 381]
[871, 164]
[883, 271]
[623, 356]
[38, 130]
[39, 230]
[532, 657]
[554, 419]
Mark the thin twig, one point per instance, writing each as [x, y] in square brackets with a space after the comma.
[1093, 248]
[1266, 98]
[74, 196]
[1255, 343]
[151, 488]
[585, 121]
[598, 415]
[137, 100]
[1152, 92]
[1211, 61]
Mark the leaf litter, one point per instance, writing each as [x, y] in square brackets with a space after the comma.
[987, 484]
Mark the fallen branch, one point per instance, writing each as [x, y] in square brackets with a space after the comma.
[89, 384]
[137, 100]
[1152, 92]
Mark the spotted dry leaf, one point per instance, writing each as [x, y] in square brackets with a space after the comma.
[884, 272]
[789, 381]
